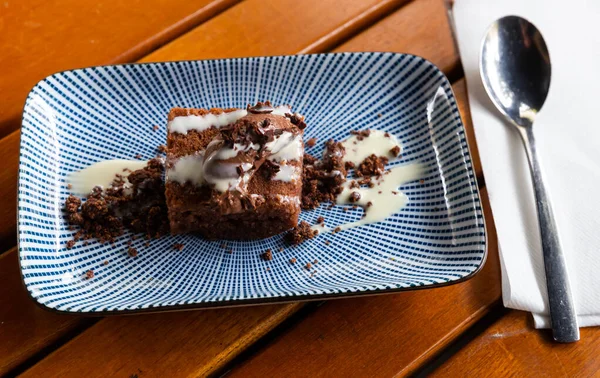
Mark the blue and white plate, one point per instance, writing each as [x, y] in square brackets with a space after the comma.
[73, 119]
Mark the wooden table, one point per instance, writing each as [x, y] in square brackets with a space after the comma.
[458, 330]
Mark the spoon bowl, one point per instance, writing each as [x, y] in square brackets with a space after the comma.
[516, 69]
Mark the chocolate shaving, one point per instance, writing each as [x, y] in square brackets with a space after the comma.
[297, 120]
[260, 108]
[270, 169]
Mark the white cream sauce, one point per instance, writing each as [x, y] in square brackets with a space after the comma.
[384, 199]
[376, 143]
[101, 174]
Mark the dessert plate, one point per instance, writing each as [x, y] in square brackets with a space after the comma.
[75, 118]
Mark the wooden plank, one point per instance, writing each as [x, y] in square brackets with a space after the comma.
[42, 37]
[192, 343]
[262, 28]
[419, 28]
[25, 328]
[392, 335]
[161, 343]
[9, 166]
[511, 347]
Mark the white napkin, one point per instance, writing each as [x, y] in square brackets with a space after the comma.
[568, 136]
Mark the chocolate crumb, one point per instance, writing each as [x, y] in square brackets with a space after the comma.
[372, 166]
[316, 261]
[107, 212]
[395, 151]
[345, 209]
[267, 255]
[89, 274]
[293, 260]
[72, 204]
[349, 165]
[354, 197]
[422, 181]
[70, 244]
[379, 192]
[327, 242]
[394, 192]
[360, 135]
[336, 230]
[354, 184]
[147, 244]
[369, 204]
[105, 262]
[132, 252]
[300, 233]
[320, 220]
[178, 246]
[280, 249]
[379, 115]
[371, 184]
[223, 245]
[138, 156]
[162, 148]
[387, 135]
[322, 179]
[155, 127]
[311, 142]
[69, 186]
[308, 266]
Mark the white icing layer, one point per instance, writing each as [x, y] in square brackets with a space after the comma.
[183, 124]
[292, 151]
[187, 169]
[101, 174]
[280, 142]
[376, 143]
[282, 110]
[287, 173]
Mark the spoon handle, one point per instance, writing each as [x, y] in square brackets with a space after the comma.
[562, 309]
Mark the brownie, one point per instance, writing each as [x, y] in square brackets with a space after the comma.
[234, 173]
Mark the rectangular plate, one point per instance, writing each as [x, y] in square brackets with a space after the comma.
[75, 118]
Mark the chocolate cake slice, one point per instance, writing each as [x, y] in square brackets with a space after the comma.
[234, 173]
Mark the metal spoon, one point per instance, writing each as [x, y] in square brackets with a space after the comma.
[515, 69]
